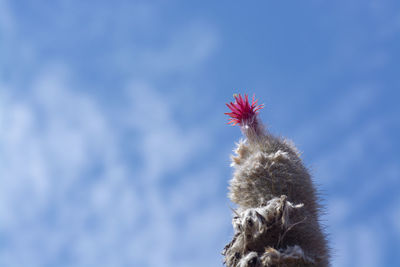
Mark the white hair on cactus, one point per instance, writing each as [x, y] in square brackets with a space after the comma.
[268, 177]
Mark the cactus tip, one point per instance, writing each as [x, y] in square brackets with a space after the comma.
[242, 111]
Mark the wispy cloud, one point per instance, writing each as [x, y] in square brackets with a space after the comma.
[87, 185]
[81, 197]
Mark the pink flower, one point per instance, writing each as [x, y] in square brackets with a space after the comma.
[242, 112]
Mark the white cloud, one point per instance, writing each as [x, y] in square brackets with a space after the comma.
[69, 197]
[164, 144]
[175, 220]
[53, 138]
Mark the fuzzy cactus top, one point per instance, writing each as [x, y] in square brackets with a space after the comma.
[277, 220]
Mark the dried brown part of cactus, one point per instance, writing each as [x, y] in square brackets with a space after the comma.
[259, 232]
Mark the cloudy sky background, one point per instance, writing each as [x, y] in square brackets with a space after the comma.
[114, 150]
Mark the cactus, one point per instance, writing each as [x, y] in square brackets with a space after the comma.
[276, 222]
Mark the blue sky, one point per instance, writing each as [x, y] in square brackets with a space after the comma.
[114, 149]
